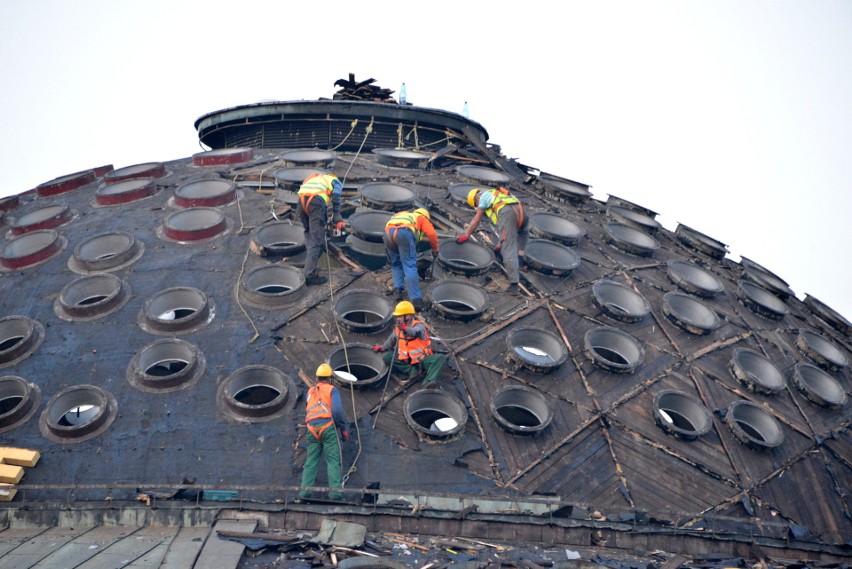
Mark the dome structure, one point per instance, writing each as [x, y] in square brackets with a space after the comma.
[605, 461]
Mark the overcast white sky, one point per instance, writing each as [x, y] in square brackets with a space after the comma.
[731, 116]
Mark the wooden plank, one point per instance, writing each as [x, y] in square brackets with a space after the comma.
[40, 546]
[12, 538]
[19, 456]
[184, 548]
[221, 553]
[11, 473]
[7, 491]
[84, 547]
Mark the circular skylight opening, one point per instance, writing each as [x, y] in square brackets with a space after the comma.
[536, 350]
[753, 425]
[278, 238]
[357, 365]
[176, 310]
[362, 311]
[761, 301]
[435, 415]
[19, 400]
[127, 191]
[165, 366]
[619, 301]
[255, 393]
[19, 338]
[106, 252]
[819, 387]
[78, 413]
[821, 351]
[680, 415]
[31, 249]
[689, 314]
[613, 350]
[630, 240]
[693, 279]
[273, 286]
[556, 228]
[520, 410]
[756, 372]
[91, 297]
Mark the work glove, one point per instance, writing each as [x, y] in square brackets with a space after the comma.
[403, 328]
[462, 238]
[378, 348]
[339, 225]
[345, 435]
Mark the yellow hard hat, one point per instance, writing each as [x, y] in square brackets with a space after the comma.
[403, 308]
[324, 370]
[471, 196]
[422, 211]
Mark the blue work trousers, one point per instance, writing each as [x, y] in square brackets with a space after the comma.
[401, 248]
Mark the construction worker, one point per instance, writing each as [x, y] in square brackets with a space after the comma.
[324, 417]
[507, 213]
[402, 234]
[413, 346]
[314, 196]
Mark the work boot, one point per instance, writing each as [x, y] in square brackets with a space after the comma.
[315, 279]
[420, 304]
[335, 496]
[398, 294]
[514, 289]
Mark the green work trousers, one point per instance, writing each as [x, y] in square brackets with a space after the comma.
[431, 364]
[329, 444]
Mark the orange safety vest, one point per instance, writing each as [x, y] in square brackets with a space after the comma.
[413, 350]
[403, 219]
[502, 197]
[315, 185]
[319, 407]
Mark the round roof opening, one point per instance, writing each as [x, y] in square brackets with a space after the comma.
[400, 158]
[19, 401]
[106, 252]
[562, 189]
[458, 300]
[459, 192]
[689, 314]
[481, 174]
[819, 387]
[834, 318]
[756, 372]
[369, 225]
[761, 301]
[165, 366]
[753, 425]
[91, 297]
[176, 310]
[613, 350]
[19, 338]
[357, 365]
[127, 191]
[194, 224]
[222, 156]
[556, 228]
[205, 193]
[67, 183]
[147, 170]
[632, 218]
[680, 415]
[388, 197]
[31, 249]
[630, 240]
[821, 351]
[534, 349]
[48, 217]
[550, 258]
[255, 394]
[309, 158]
[279, 238]
[435, 415]
[77, 414]
[700, 242]
[693, 279]
[619, 301]
[292, 178]
[468, 258]
[768, 281]
[272, 286]
[520, 410]
[362, 311]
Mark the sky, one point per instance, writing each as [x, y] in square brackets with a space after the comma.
[733, 117]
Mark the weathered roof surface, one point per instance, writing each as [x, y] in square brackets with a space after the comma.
[218, 405]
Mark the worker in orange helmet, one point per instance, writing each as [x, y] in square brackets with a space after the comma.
[507, 213]
[324, 418]
[402, 234]
[315, 193]
[413, 346]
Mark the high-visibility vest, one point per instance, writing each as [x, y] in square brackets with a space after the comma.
[403, 219]
[413, 350]
[316, 185]
[319, 407]
[502, 197]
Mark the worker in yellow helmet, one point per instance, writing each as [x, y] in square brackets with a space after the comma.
[414, 347]
[324, 418]
[315, 194]
[402, 234]
[507, 213]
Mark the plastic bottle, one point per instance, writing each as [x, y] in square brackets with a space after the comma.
[402, 95]
[465, 111]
